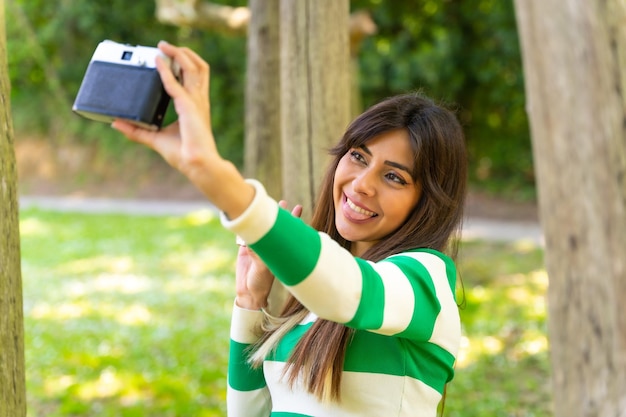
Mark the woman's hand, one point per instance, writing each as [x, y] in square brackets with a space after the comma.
[188, 144]
[253, 279]
[190, 139]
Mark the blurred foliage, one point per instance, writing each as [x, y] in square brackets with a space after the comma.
[462, 53]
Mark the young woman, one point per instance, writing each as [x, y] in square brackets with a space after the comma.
[371, 327]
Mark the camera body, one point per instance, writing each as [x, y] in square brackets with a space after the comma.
[121, 82]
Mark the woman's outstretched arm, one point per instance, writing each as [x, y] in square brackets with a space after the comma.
[188, 144]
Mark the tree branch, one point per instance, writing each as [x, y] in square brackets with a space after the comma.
[234, 20]
[203, 15]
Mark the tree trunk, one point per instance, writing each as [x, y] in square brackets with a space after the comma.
[262, 155]
[315, 91]
[574, 56]
[12, 380]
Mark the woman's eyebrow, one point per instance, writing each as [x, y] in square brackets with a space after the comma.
[366, 150]
[390, 163]
[399, 166]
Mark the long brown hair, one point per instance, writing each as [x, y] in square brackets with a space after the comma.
[440, 168]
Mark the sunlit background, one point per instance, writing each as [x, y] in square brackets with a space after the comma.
[128, 315]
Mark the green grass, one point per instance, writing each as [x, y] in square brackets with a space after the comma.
[129, 315]
[503, 368]
[126, 316]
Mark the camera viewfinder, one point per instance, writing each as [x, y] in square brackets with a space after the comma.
[126, 55]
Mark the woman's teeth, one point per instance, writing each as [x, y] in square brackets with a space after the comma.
[358, 209]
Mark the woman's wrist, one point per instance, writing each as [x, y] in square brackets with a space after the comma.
[225, 187]
[250, 303]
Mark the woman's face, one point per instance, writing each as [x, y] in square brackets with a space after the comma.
[373, 189]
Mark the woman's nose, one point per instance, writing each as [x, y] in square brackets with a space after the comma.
[364, 183]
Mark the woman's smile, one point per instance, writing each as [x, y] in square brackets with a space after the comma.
[356, 212]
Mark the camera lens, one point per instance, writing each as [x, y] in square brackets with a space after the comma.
[126, 55]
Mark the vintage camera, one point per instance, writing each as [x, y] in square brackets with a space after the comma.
[121, 82]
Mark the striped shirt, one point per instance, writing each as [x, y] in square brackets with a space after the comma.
[403, 309]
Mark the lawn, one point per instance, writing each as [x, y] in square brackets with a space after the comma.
[128, 316]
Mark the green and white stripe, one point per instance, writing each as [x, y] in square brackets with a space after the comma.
[403, 309]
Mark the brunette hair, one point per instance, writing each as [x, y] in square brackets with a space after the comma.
[440, 168]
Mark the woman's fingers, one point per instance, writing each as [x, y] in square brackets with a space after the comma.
[190, 95]
[172, 86]
[297, 210]
[194, 70]
[135, 133]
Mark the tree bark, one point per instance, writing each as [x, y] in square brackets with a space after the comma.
[262, 155]
[12, 379]
[574, 55]
[315, 91]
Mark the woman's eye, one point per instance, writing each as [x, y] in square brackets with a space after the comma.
[395, 178]
[356, 155]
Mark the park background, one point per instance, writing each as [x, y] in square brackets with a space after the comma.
[463, 53]
[128, 315]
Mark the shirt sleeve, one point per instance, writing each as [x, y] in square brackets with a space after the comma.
[410, 294]
[247, 393]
